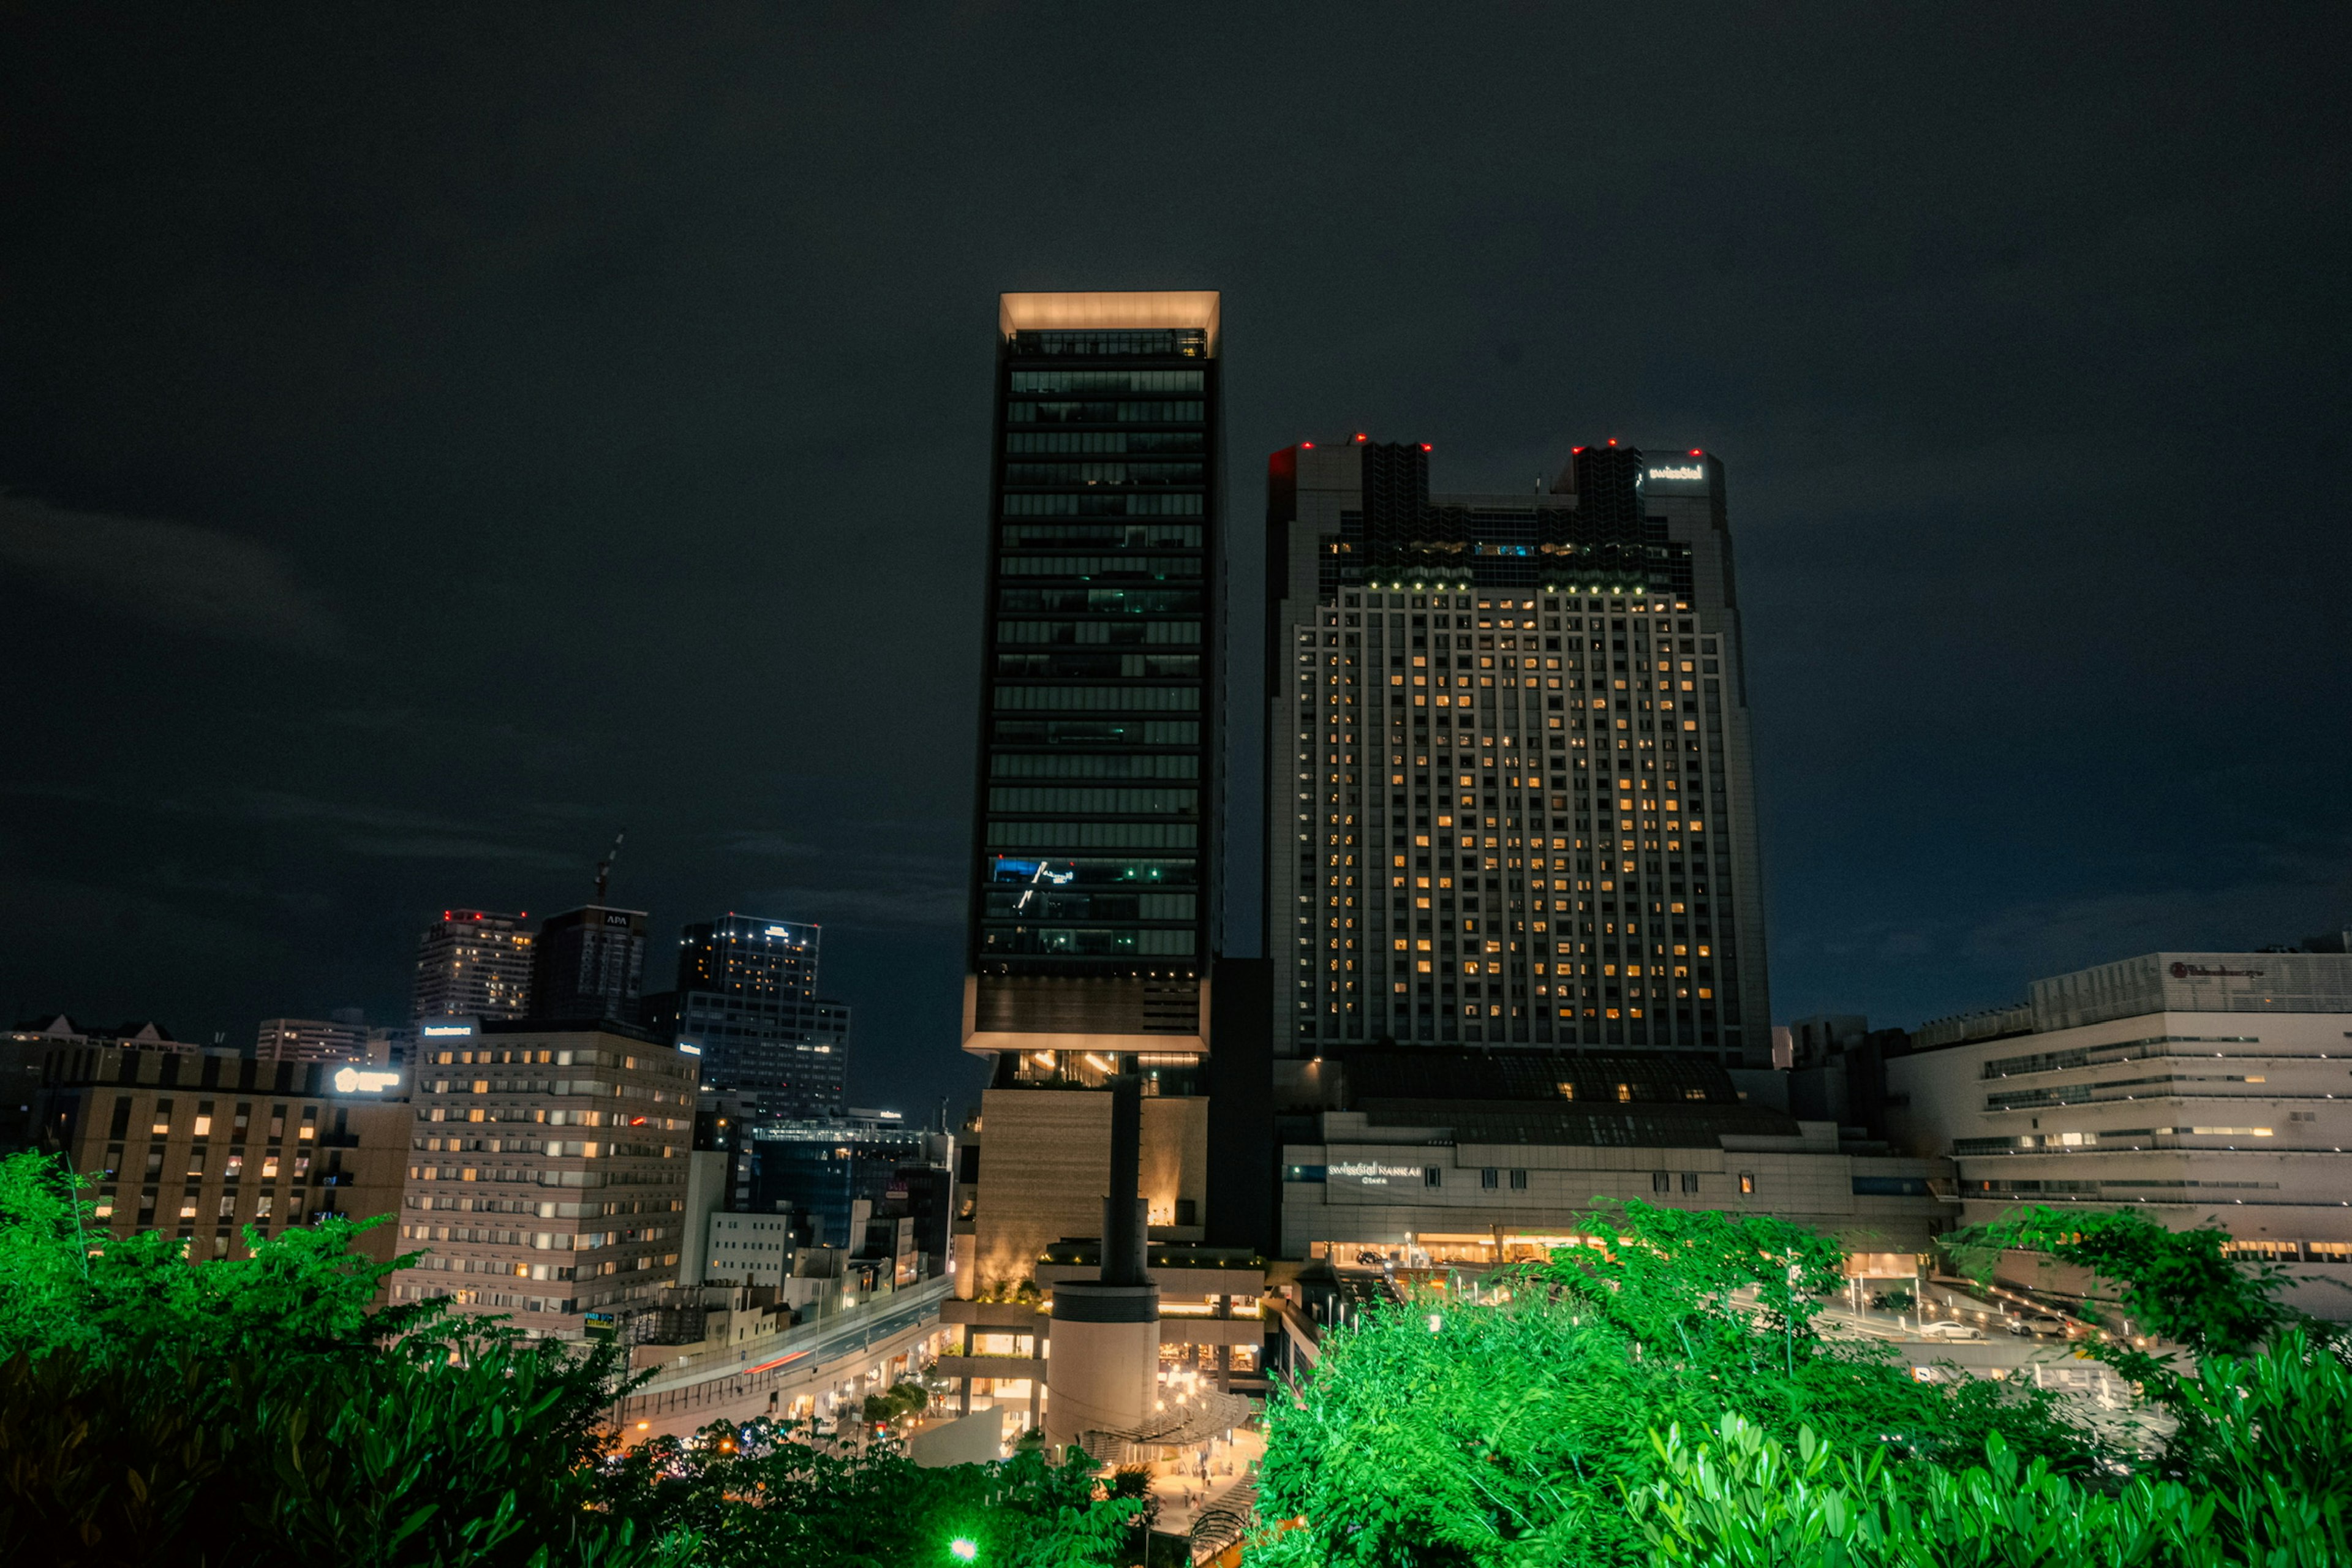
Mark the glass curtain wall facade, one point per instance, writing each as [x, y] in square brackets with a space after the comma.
[747, 1003]
[1510, 791]
[1095, 882]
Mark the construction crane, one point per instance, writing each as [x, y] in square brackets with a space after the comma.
[605, 867]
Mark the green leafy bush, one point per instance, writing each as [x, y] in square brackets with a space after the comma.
[753, 1496]
[257, 1413]
[1746, 1500]
[1511, 1434]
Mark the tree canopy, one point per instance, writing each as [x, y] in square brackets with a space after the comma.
[1663, 1397]
[261, 1412]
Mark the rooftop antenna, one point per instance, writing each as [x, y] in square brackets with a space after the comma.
[605, 867]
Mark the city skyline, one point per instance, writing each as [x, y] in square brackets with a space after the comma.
[363, 462]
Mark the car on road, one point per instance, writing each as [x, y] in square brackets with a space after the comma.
[2039, 1325]
[1946, 1329]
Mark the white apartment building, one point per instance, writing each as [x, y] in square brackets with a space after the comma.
[749, 1248]
[2208, 1087]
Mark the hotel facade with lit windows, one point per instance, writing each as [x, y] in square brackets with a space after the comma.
[547, 1174]
[472, 963]
[1510, 794]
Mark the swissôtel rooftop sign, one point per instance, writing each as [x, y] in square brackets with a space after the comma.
[1676, 473]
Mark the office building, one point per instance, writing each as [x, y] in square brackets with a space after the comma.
[1093, 911]
[547, 1173]
[471, 963]
[828, 1174]
[2202, 1088]
[588, 965]
[747, 1003]
[198, 1145]
[1094, 895]
[341, 1039]
[1509, 788]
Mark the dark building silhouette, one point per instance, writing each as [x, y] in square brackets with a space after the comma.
[588, 965]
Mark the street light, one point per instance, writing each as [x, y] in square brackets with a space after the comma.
[963, 1549]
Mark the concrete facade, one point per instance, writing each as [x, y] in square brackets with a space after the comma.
[2240, 1120]
[1414, 1195]
[1043, 1167]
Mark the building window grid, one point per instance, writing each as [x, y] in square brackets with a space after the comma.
[1337, 735]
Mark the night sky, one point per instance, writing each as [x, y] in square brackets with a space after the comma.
[434, 438]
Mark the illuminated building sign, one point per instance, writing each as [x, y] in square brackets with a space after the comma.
[690, 1048]
[365, 1081]
[1686, 471]
[1371, 1173]
[437, 1031]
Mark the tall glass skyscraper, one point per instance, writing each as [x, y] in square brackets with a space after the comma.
[1094, 901]
[1510, 793]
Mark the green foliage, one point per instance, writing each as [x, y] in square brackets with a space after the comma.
[1548, 1429]
[903, 1398]
[2270, 1435]
[1134, 1481]
[1747, 1500]
[257, 1413]
[1655, 1269]
[302, 1291]
[755, 1496]
[1512, 1434]
[2177, 1284]
[474, 1450]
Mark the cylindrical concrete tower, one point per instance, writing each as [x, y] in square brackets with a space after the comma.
[1103, 1370]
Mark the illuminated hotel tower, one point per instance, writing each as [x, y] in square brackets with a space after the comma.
[1096, 850]
[1510, 794]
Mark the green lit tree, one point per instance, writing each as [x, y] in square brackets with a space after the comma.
[261, 1412]
[2179, 1285]
[1448, 1434]
[754, 1495]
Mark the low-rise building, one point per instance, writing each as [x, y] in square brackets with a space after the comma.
[199, 1144]
[750, 1250]
[2204, 1089]
[1426, 1158]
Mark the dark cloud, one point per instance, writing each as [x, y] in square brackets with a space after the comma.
[605, 388]
[172, 574]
